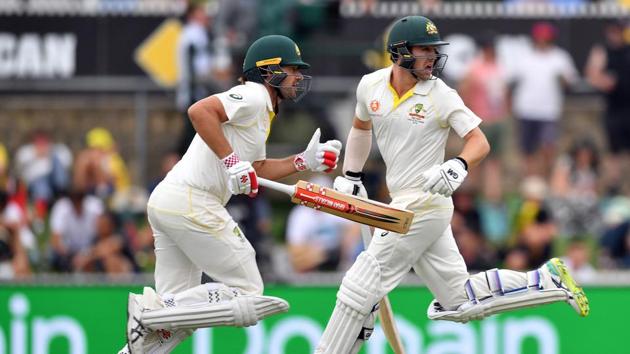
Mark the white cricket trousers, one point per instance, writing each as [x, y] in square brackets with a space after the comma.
[194, 233]
[429, 248]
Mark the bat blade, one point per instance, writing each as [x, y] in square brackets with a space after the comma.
[361, 210]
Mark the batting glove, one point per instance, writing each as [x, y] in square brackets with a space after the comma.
[445, 178]
[242, 178]
[318, 157]
[350, 185]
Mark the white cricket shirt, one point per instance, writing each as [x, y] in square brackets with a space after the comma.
[250, 112]
[411, 131]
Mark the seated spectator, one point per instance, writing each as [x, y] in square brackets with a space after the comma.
[319, 241]
[99, 168]
[516, 259]
[13, 216]
[574, 191]
[474, 249]
[532, 199]
[73, 223]
[43, 167]
[108, 254]
[13, 258]
[577, 259]
[4, 167]
[253, 216]
[537, 239]
[493, 214]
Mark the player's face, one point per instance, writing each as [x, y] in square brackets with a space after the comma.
[425, 61]
[296, 84]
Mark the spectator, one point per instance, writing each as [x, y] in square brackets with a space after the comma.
[614, 250]
[73, 227]
[577, 259]
[484, 91]
[43, 167]
[100, 170]
[253, 216]
[537, 239]
[574, 191]
[13, 216]
[13, 257]
[493, 212]
[516, 259]
[109, 253]
[4, 167]
[539, 76]
[474, 249]
[608, 70]
[197, 66]
[168, 161]
[319, 241]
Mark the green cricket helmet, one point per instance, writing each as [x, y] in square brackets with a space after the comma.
[414, 31]
[264, 61]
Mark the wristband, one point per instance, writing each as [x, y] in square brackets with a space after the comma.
[230, 160]
[461, 159]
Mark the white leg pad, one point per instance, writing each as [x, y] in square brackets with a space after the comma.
[501, 299]
[211, 305]
[359, 292]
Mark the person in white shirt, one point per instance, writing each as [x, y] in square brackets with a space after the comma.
[192, 229]
[540, 75]
[411, 112]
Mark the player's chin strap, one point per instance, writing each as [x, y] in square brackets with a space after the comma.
[273, 75]
[501, 300]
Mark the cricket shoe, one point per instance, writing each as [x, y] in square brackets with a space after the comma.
[556, 271]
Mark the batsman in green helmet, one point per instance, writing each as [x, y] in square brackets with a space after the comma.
[412, 112]
[193, 230]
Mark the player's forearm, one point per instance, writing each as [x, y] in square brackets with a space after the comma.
[476, 147]
[274, 169]
[358, 146]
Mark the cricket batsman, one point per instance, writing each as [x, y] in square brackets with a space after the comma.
[192, 229]
[411, 111]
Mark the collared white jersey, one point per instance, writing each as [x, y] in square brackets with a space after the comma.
[411, 131]
[250, 112]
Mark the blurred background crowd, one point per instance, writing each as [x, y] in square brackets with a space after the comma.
[81, 149]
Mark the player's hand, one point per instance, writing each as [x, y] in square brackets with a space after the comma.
[242, 179]
[350, 185]
[318, 156]
[444, 179]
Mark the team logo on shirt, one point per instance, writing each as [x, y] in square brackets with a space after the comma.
[236, 96]
[416, 115]
[238, 233]
[374, 105]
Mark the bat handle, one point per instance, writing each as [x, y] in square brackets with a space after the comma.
[280, 187]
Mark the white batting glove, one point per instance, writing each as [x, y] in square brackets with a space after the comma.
[444, 179]
[350, 185]
[242, 178]
[318, 157]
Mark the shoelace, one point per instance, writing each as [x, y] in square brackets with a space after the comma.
[138, 330]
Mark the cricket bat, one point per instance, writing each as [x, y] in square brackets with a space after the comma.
[385, 312]
[361, 210]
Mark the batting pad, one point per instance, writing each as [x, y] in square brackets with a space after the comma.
[355, 300]
[211, 305]
[500, 298]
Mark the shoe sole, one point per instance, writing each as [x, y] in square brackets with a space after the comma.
[578, 293]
